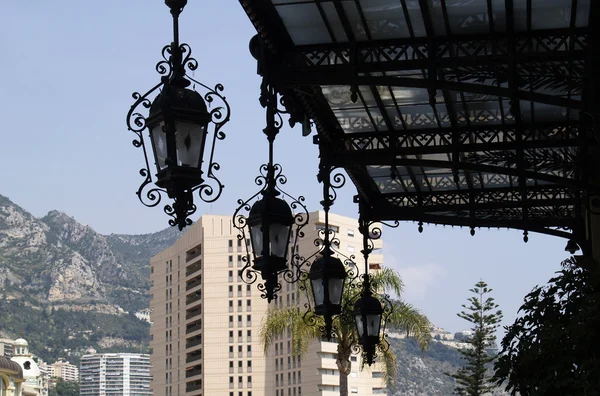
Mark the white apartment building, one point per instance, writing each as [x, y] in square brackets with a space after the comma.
[112, 374]
[206, 320]
[64, 370]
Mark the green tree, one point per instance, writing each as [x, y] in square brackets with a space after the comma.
[473, 379]
[64, 388]
[403, 317]
[552, 349]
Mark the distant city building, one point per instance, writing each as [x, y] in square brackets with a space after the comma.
[115, 374]
[64, 370]
[36, 382]
[11, 377]
[205, 334]
[6, 347]
[143, 315]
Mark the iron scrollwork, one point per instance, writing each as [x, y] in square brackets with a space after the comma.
[368, 288]
[175, 67]
[269, 180]
[326, 243]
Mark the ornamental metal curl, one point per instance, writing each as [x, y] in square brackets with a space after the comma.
[174, 68]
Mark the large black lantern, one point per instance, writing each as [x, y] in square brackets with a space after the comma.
[179, 126]
[178, 123]
[327, 276]
[270, 221]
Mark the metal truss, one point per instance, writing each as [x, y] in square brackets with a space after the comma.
[502, 164]
[546, 61]
[461, 139]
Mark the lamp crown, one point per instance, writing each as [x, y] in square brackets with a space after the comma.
[176, 4]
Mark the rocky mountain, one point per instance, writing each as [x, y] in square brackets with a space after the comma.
[56, 260]
[423, 373]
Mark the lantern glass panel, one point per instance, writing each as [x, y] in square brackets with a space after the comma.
[318, 291]
[336, 286]
[189, 143]
[373, 323]
[256, 236]
[359, 325]
[159, 140]
[279, 235]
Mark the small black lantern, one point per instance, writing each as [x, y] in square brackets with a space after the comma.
[327, 276]
[270, 221]
[368, 314]
[178, 126]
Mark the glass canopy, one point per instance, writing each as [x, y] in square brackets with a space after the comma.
[462, 112]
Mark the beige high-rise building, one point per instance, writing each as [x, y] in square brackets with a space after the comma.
[64, 370]
[206, 320]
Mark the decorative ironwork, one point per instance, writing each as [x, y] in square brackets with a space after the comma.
[369, 295]
[438, 125]
[269, 181]
[326, 242]
[174, 69]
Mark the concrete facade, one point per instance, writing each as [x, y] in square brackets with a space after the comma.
[115, 374]
[65, 370]
[205, 334]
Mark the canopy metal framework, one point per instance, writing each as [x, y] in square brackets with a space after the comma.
[477, 113]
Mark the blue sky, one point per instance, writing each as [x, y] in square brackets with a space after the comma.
[69, 69]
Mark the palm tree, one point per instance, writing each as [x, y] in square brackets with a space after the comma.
[403, 316]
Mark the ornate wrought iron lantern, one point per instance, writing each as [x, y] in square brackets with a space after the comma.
[327, 274]
[270, 220]
[179, 125]
[370, 310]
[368, 314]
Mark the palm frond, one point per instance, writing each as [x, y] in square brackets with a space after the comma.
[388, 280]
[279, 320]
[407, 318]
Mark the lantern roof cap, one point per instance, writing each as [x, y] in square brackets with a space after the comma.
[270, 206]
[370, 304]
[328, 264]
[178, 98]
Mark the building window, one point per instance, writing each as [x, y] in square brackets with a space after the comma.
[230, 291]
[230, 276]
[350, 233]
[230, 262]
